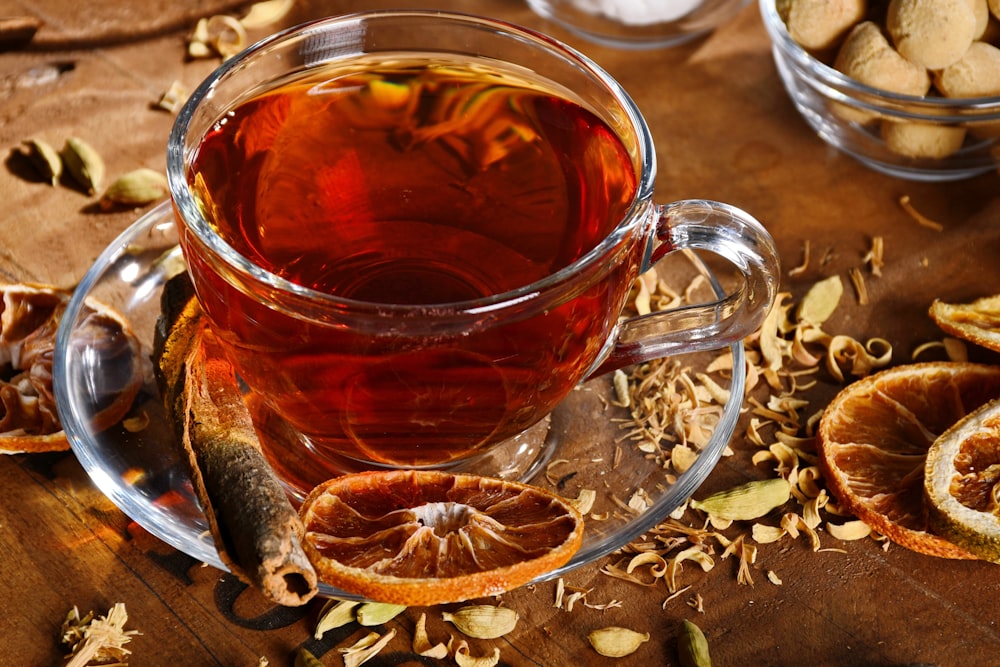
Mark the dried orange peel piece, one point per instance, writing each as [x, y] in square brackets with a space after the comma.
[977, 322]
[962, 479]
[874, 438]
[425, 537]
[29, 320]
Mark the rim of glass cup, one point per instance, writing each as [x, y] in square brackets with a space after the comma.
[833, 83]
[194, 219]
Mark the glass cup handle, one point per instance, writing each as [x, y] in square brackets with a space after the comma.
[725, 230]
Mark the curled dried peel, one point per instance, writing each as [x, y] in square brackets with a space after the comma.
[977, 322]
[365, 648]
[29, 320]
[859, 358]
[265, 13]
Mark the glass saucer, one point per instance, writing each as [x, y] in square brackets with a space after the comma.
[138, 463]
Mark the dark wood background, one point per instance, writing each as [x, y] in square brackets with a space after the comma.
[724, 130]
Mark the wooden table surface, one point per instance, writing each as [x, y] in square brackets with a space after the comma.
[724, 130]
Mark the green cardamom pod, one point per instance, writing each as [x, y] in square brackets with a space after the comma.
[304, 658]
[335, 614]
[84, 164]
[377, 613]
[692, 647]
[746, 501]
[136, 188]
[821, 301]
[45, 159]
[616, 642]
[483, 621]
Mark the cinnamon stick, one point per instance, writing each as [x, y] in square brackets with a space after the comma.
[256, 530]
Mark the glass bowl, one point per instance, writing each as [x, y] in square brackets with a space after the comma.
[138, 463]
[627, 24]
[853, 117]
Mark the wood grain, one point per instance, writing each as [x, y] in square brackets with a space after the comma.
[724, 129]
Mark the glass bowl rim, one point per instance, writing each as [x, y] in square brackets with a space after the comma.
[817, 71]
[638, 37]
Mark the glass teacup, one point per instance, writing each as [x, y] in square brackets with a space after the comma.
[415, 233]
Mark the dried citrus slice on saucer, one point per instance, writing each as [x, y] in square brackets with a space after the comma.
[962, 479]
[29, 320]
[874, 437]
[977, 322]
[426, 537]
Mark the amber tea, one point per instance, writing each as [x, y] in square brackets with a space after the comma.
[414, 233]
[421, 184]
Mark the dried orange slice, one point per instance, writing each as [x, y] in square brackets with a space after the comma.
[977, 322]
[874, 437]
[29, 319]
[427, 537]
[962, 478]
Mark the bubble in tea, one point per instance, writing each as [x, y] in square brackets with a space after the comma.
[419, 183]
